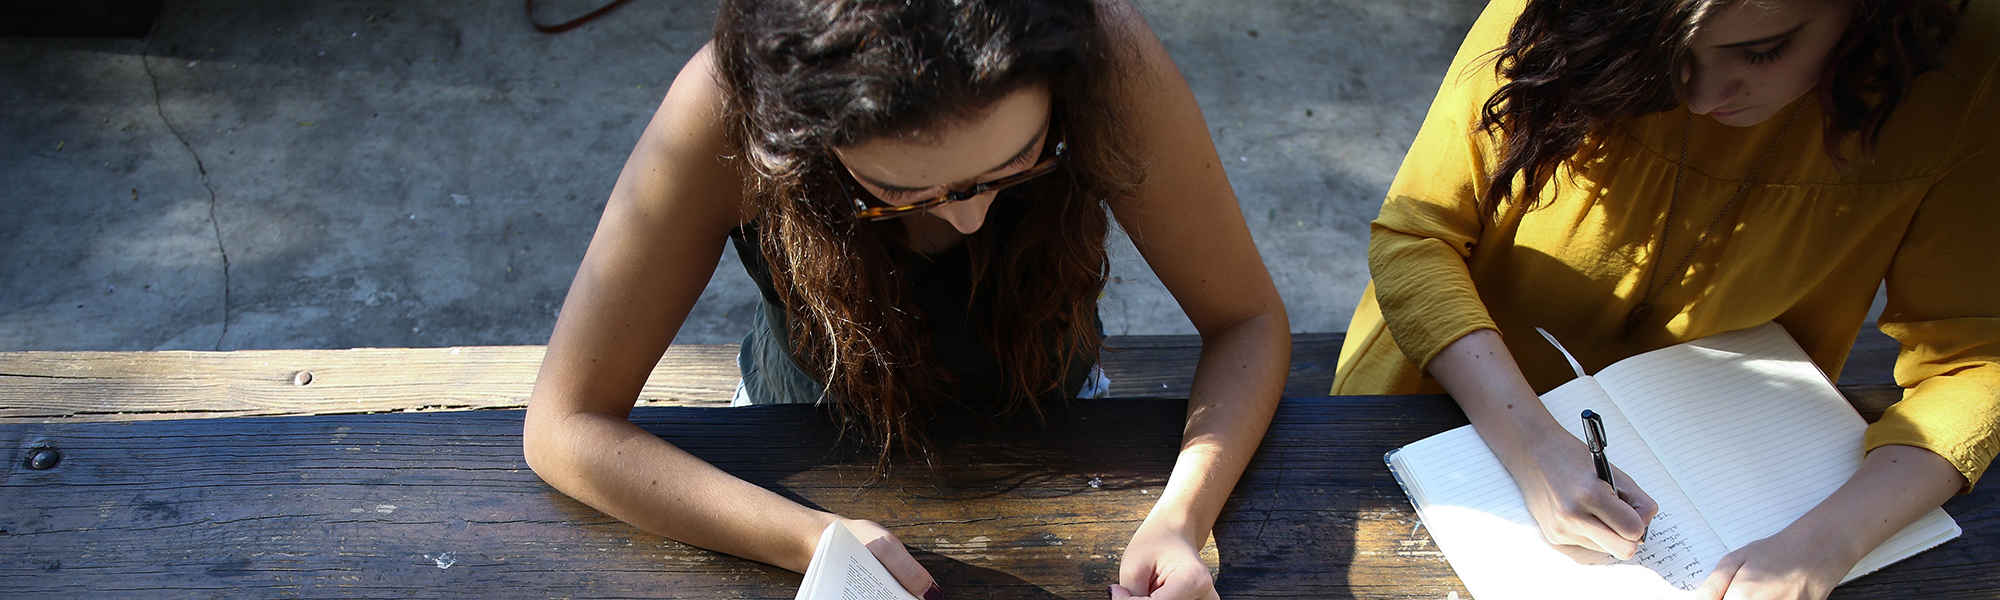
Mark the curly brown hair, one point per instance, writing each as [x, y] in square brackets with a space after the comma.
[805, 76]
[1575, 68]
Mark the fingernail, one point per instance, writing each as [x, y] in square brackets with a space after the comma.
[1110, 591]
[934, 593]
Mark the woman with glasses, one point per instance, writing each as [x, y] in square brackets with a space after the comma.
[922, 192]
[1633, 174]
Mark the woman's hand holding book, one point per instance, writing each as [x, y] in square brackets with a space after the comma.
[896, 558]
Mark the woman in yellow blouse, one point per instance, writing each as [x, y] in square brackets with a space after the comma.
[1632, 174]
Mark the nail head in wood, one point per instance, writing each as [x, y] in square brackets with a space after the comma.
[43, 458]
[302, 378]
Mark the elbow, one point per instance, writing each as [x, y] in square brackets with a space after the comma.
[539, 444]
[1270, 324]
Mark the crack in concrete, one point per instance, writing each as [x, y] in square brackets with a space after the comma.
[200, 167]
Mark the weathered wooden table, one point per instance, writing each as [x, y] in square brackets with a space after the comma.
[440, 504]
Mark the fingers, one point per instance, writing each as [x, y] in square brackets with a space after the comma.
[896, 558]
[1622, 518]
[1621, 515]
[1590, 531]
[1173, 590]
[1185, 588]
[1574, 507]
[1135, 575]
[1718, 581]
[1636, 497]
[1596, 520]
[1171, 580]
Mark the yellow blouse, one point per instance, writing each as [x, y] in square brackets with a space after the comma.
[1806, 245]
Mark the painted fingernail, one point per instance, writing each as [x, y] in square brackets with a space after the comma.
[1110, 591]
[934, 593]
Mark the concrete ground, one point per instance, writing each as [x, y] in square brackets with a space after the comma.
[297, 174]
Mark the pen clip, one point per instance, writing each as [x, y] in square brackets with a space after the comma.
[1593, 431]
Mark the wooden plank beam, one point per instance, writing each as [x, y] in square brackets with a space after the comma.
[113, 386]
[130, 386]
[427, 505]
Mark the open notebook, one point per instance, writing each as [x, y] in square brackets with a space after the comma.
[1736, 435]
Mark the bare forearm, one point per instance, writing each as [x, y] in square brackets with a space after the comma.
[1895, 486]
[606, 462]
[1236, 389]
[1481, 376]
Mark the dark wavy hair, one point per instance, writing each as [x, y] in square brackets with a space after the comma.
[1575, 68]
[805, 76]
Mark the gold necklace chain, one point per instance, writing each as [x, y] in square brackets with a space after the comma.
[1653, 283]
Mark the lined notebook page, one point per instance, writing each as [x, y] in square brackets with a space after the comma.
[1680, 546]
[1751, 430]
[1933, 529]
[1477, 516]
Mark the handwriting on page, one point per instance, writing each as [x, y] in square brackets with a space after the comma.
[1680, 546]
[1670, 552]
[1477, 516]
[1667, 552]
[1750, 429]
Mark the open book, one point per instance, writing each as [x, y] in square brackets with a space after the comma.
[1736, 435]
[843, 569]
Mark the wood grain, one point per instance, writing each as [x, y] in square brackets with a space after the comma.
[127, 386]
[426, 505]
[103, 386]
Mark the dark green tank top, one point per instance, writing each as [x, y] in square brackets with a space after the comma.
[939, 284]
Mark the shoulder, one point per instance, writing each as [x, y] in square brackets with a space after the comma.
[1133, 47]
[1485, 40]
[1123, 22]
[1979, 29]
[1972, 61]
[687, 140]
[1948, 116]
[1472, 77]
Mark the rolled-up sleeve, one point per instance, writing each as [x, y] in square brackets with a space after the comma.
[1431, 220]
[1944, 306]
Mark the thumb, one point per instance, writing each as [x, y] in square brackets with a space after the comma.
[1718, 580]
[1118, 592]
[905, 568]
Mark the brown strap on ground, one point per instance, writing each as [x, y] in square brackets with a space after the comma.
[572, 24]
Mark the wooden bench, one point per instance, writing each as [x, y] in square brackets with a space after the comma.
[128, 386]
[440, 504]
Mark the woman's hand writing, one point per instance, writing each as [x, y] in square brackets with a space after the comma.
[1553, 468]
[1574, 507]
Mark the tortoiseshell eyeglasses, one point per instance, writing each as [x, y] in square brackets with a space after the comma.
[885, 212]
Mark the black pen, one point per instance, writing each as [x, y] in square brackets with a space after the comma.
[1593, 435]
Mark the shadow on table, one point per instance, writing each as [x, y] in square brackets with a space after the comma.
[1052, 502]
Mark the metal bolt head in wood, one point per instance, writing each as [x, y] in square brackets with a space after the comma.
[43, 458]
